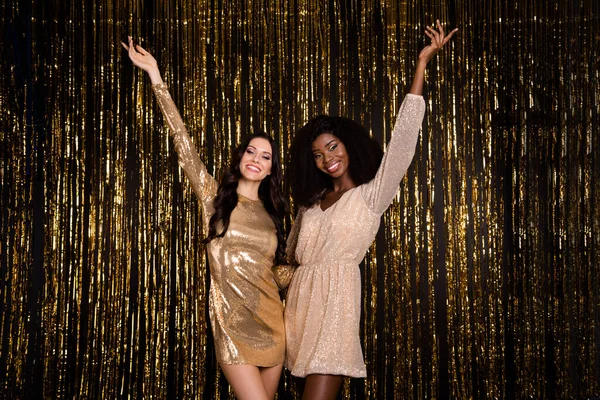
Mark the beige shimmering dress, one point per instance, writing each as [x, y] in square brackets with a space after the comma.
[322, 314]
[245, 309]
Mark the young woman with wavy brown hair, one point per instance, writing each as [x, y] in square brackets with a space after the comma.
[245, 244]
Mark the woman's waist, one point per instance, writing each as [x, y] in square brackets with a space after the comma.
[329, 263]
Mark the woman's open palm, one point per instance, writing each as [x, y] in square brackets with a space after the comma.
[144, 60]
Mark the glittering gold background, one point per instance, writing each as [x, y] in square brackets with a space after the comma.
[484, 280]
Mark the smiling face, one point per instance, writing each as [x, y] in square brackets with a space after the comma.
[256, 162]
[331, 156]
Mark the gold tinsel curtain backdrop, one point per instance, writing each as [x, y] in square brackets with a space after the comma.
[483, 281]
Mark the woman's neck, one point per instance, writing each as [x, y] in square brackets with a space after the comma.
[248, 188]
[342, 184]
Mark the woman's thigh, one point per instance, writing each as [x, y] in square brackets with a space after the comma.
[322, 387]
[270, 377]
[246, 381]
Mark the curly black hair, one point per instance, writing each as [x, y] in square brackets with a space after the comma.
[269, 191]
[306, 180]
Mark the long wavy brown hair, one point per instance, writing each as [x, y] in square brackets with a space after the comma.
[269, 191]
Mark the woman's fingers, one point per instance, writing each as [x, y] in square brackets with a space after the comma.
[435, 36]
[440, 28]
[141, 50]
[438, 37]
[431, 32]
[131, 48]
[135, 50]
[447, 38]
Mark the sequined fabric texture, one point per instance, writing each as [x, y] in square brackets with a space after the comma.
[245, 309]
[323, 307]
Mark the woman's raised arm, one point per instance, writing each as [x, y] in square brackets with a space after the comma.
[202, 182]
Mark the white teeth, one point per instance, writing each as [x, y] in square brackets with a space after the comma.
[253, 168]
[333, 167]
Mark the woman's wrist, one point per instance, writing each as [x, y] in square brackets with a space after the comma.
[422, 64]
[155, 77]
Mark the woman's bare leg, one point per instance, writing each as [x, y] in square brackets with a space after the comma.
[270, 377]
[322, 387]
[246, 381]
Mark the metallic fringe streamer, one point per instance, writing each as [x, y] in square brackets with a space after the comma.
[483, 281]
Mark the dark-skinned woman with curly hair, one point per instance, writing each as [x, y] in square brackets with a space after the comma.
[245, 244]
[342, 183]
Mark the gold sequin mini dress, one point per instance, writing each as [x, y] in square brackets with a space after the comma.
[322, 314]
[245, 309]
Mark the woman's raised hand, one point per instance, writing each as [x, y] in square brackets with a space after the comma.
[438, 40]
[144, 60]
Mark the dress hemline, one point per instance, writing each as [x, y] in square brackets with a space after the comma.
[348, 374]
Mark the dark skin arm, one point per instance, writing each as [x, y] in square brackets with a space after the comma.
[438, 40]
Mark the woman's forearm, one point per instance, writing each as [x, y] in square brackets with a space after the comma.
[419, 78]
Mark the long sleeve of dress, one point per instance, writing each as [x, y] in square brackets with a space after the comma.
[284, 273]
[203, 184]
[380, 191]
[292, 240]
